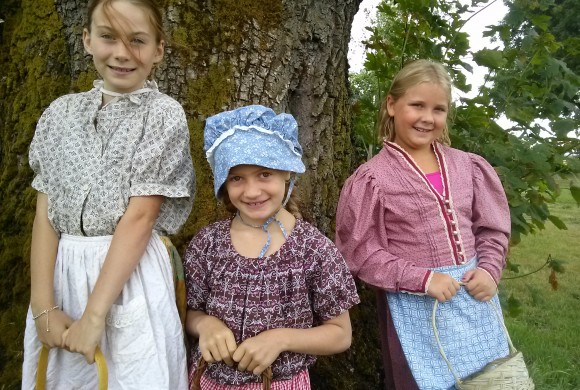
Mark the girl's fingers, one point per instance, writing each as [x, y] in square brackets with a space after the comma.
[63, 339]
[245, 362]
[468, 275]
[207, 355]
[225, 354]
[259, 370]
[90, 357]
[231, 344]
[252, 366]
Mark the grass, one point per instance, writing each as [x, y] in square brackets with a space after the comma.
[547, 330]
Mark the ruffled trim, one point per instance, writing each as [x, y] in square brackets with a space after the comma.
[133, 96]
[226, 134]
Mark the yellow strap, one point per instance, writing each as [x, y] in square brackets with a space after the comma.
[41, 371]
[100, 361]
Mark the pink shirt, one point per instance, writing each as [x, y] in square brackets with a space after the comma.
[393, 225]
[436, 181]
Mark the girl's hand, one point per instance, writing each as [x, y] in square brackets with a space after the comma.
[257, 353]
[479, 284]
[216, 341]
[442, 287]
[58, 323]
[84, 335]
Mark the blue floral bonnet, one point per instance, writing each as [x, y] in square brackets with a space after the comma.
[252, 135]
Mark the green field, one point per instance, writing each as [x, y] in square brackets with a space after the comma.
[547, 330]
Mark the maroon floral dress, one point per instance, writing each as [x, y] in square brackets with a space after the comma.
[301, 285]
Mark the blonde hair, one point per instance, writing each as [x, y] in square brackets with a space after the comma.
[413, 74]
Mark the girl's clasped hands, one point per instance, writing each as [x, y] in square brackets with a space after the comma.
[477, 282]
[255, 354]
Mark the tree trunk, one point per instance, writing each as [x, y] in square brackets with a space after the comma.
[289, 55]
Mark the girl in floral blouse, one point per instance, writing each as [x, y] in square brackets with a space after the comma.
[264, 288]
[113, 173]
[416, 220]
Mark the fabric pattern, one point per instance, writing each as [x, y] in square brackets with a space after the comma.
[90, 160]
[392, 226]
[470, 332]
[252, 135]
[302, 284]
[300, 381]
[143, 338]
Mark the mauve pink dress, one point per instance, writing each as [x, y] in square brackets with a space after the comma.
[392, 226]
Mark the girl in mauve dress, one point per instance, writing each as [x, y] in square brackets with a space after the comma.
[113, 173]
[416, 220]
[265, 289]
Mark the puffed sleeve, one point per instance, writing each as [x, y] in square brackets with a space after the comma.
[491, 218]
[162, 163]
[332, 288]
[39, 156]
[361, 236]
[196, 272]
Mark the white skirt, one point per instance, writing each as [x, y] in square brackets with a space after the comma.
[143, 339]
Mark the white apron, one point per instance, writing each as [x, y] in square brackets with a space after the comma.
[143, 339]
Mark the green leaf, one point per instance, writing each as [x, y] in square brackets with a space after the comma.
[541, 21]
[575, 191]
[563, 126]
[558, 265]
[557, 222]
[514, 306]
[466, 66]
[492, 59]
[512, 267]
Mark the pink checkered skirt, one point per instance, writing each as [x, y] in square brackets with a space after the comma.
[300, 381]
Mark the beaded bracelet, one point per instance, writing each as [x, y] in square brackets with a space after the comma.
[43, 313]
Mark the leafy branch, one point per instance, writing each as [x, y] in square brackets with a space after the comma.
[557, 266]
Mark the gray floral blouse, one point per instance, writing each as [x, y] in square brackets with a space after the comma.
[90, 160]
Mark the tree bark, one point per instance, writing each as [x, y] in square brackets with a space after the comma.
[289, 55]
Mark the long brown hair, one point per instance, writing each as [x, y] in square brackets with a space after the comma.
[412, 74]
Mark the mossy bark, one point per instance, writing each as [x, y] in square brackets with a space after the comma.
[290, 55]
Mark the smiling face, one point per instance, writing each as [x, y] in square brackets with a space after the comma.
[256, 192]
[124, 45]
[420, 116]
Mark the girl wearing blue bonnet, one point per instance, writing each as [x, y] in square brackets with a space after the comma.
[266, 291]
